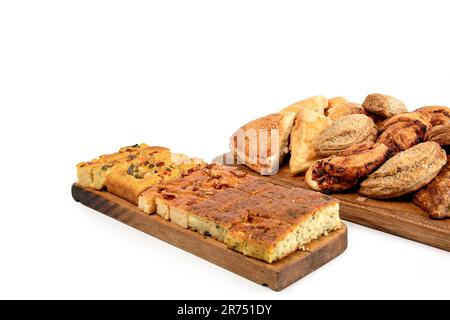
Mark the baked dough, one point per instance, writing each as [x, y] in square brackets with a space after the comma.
[435, 197]
[247, 213]
[403, 131]
[310, 123]
[263, 143]
[344, 133]
[343, 171]
[405, 173]
[93, 174]
[146, 171]
[384, 105]
[340, 107]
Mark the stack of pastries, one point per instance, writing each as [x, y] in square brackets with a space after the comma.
[248, 214]
[377, 148]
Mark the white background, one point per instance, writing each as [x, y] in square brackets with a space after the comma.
[81, 78]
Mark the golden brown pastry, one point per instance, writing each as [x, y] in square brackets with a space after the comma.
[439, 134]
[339, 107]
[344, 133]
[309, 124]
[403, 131]
[263, 143]
[384, 105]
[344, 170]
[439, 119]
[435, 115]
[406, 172]
[435, 197]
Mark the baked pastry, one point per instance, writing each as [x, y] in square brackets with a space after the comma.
[263, 143]
[439, 119]
[345, 132]
[309, 124]
[406, 172]
[435, 115]
[384, 105]
[340, 107]
[93, 174]
[316, 101]
[343, 171]
[145, 171]
[435, 197]
[439, 134]
[403, 131]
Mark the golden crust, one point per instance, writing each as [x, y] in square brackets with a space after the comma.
[344, 133]
[403, 131]
[342, 172]
[310, 123]
[263, 143]
[439, 134]
[146, 171]
[405, 173]
[340, 107]
[93, 174]
[435, 197]
[384, 105]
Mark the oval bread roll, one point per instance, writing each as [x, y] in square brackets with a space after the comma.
[344, 133]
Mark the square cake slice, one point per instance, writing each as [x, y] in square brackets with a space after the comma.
[93, 174]
[264, 239]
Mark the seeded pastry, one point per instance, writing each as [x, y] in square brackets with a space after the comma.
[435, 197]
[310, 123]
[384, 105]
[405, 173]
[344, 133]
[343, 171]
[263, 143]
[93, 174]
[403, 131]
[340, 107]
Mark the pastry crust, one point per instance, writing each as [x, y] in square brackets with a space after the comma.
[310, 123]
[263, 143]
[435, 197]
[344, 133]
[384, 105]
[340, 107]
[403, 131]
[405, 173]
[439, 119]
[436, 115]
[343, 171]
[439, 134]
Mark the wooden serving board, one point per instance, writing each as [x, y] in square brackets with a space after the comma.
[397, 217]
[277, 276]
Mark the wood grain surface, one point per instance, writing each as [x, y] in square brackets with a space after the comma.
[277, 276]
[398, 217]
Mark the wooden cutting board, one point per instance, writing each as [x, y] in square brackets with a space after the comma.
[397, 217]
[277, 276]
